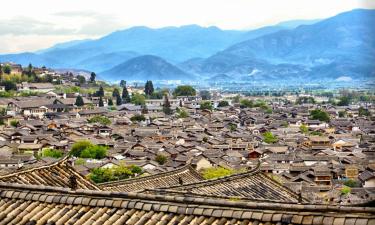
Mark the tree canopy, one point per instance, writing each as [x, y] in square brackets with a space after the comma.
[79, 101]
[184, 90]
[318, 114]
[149, 88]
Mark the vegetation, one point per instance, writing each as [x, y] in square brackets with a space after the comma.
[85, 149]
[269, 138]
[14, 123]
[100, 92]
[92, 77]
[101, 175]
[138, 99]
[345, 190]
[305, 100]
[79, 101]
[52, 153]
[184, 90]
[206, 95]
[216, 172]
[246, 103]
[206, 105]
[223, 104]
[182, 113]
[80, 161]
[351, 183]
[103, 120]
[167, 106]
[344, 101]
[81, 79]
[161, 159]
[363, 112]
[138, 118]
[304, 129]
[342, 114]
[318, 114]
[149, 88]
[101, 103]
[110, 102]
[125, 94]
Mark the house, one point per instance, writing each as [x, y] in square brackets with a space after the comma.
[10, 163]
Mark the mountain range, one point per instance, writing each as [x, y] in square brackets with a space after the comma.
[301, 50]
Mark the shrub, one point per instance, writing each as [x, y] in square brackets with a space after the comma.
[80, 161]
[351, 183]
[138, 118]
[78, 147]
[100, 175]
[269, 138]
[100, 119]
[345, 190]
[184, 90]
[161, 159]
[223, 104]
[216, 172]
[182, 114]
[52, 153]
[94, 152]
[304, 129]
[14, 123]
[246, 103]
[206, 105]
[320, 115]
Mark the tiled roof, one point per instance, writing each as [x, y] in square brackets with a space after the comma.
[56, 174]
[251, 185]
[167, 179]
[22, 204]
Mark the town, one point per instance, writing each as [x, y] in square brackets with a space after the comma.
[318, 145]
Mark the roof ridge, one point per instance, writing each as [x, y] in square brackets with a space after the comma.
[178, 200]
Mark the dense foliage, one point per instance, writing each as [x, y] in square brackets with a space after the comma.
[184, 90]
[85, 149]
[52, 153]
[138, 99]
[101, 175]
[161, 159]
[223, 104]
[269, 138]
[206, 105]
[138, 118]
[100, 119]
[318, 114]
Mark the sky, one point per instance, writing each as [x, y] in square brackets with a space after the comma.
[31, 25]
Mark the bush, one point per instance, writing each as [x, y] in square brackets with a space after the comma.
[100, 119]
[269, 138]
[184, 90]
[14, 123]
[138, 99]
[345, 190]
[304, 129]
[138, 118]
[206, 105]
[246, 103]
[161, 159]
[223, 104]
[52, 153]
[182, 114]
[80, 161]
[101, 175]
[216, 172]
[320, 115]
[351, 183]
[85, 149]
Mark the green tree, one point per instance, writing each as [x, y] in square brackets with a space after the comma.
[79, 146]
[184, 90]
[100, 92]
[206, 95]
[101, 103]
[304, 129]
[138, 99]
[246, 103]
[7, 69]
[182, 114]
[342, 114]
[92, 77]
[167, 106]
[345, 190]
[81, 79]
[53, 153]
[138, 118]
[161, 159]
[149, 88]
[122, 83]
[100, 119]
[110, 102]
[269, 138]
[118, 100]
[9, 85]
[344, 101]
[236, 99]
[125, 94]
[363, 112]
[79, 101]
[14, 123]
[223, 104]
[206, 105]
[318, 114]
[115, 92]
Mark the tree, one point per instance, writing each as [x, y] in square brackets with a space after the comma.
[79, 101]
[81, 79]
[14, 123]
[161, 159]
[320, 115]
[118, 100]
[206, 95]
[304, 129]
[1, 70]
[138, 118]
[9, 85]
[122, 83]
[223, 104]
[115, 93]
[246, 103]
[138, 99]
[305, 100]
[78, 147]
[182, 114]
[101, 103]
[125, 94]
[206, 105]
[149, 88]
[269, 138]
[92, 77]
[363, 112]
[100, 119]
[100, 92]
[184, 90]
[344, 101]
[342, 114]
[167, 106]
[7, 69]
[236, 99]
[53, 153]
[110, 102]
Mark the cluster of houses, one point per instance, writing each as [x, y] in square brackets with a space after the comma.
[317, 163]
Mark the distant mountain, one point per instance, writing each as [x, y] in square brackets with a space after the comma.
[341, 45]
[146, 67]
[219, 78]
[291, 24]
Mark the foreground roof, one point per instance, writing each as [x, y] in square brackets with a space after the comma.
[56, 174]
[251, 185]
[185, 174]
[29, 204]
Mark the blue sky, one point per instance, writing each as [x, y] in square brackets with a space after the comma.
[37, 24]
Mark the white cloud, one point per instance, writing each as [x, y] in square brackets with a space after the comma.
[91, 18]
